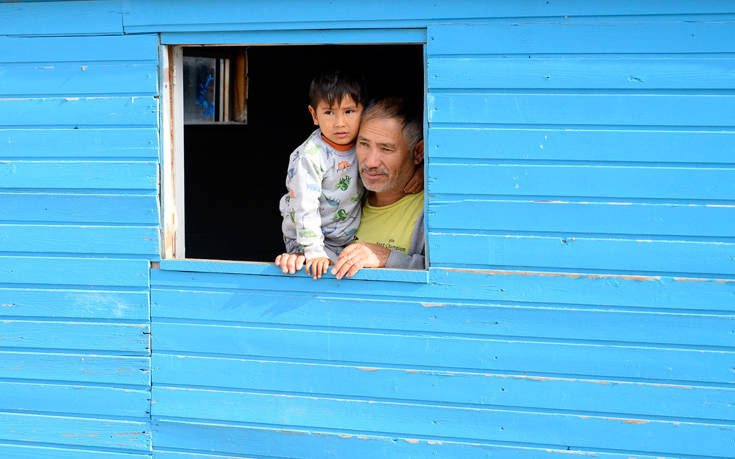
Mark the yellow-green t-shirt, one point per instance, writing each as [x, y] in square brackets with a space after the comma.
[391, 226]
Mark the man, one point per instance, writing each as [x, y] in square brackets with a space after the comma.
[391, 232]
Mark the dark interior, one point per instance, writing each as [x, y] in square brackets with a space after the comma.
[235, 174]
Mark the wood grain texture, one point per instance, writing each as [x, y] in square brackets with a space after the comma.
[578, 216]
[83, 304]
[79, 208]
[609, 109]
[45, 50]
[562, 180]
[585, 252]
[80, 399]
[477, 423]
[293, 442]
[79, 78]
[32, 452]
[46, 239]
[442, 316]
[135, 111]
[291, 14]
[126, 339]
[460, 352]
[133, 143]
[558, 37]
[74, 271]
[100, 175]
[43, 18]
[453, 387]
[63, 430]
[586, 145]
[589, 72]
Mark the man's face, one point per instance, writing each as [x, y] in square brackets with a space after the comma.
[338, 122]
[383, 156]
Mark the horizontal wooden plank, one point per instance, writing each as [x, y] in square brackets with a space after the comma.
[565, 253]
[80, 208]
[292, 14]
[622, 182]
[663, 292]
[600, 108]
[97, 336]
[419, 276]
[76, 399]
[417, 348]
[107, 175]
[87, 304]
[583, 145]
[448, 316]
[80, 239]
[74, 271]
[455, 212]
[99, 17]
[138, 111]
[292, 442]
[298, 37]
[42, 239]
[497, 389]
[404, 418]
[572, 38]
[138, 143]
[79, 368]
[594, 72]
[79, 78]
[106, 433]
[44, 50]
[33, 452]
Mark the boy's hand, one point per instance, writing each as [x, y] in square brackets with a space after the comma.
[416, 182]
[317, 266]
[290, 262]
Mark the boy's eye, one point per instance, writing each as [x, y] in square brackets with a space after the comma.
[328, 112]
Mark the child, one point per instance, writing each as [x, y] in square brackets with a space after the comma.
[321, 210]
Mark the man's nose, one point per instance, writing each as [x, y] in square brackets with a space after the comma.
[372, 159]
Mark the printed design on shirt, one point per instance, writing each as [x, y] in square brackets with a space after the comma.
[356, 197]
[340, 215]
[391, 244]
[293, 216]
[313, 187]
[312, 149]
[344, 165]
[291, 193]
[331, 202]
[344, 183]
[307, 233]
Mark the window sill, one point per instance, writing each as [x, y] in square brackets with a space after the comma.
[415, 276]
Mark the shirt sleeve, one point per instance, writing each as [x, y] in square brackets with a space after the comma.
[304, 188]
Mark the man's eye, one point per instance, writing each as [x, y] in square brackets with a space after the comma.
[362, 143]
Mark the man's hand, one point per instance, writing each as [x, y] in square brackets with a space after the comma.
[360, 255]
[317, 266]
[290, 262]
[416, 183]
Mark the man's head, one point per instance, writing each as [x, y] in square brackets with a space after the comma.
[336, 100]
[389, 146]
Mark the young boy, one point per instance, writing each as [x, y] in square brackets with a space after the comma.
[321, 210]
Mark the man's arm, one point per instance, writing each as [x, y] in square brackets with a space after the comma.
[367, 255]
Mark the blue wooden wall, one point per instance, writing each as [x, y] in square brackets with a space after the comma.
[581, 215]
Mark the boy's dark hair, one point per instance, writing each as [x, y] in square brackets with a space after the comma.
[332, 85]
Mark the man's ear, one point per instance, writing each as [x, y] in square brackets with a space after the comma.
[313, 115]
[418, 152]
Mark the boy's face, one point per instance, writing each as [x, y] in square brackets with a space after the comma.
[339, 122]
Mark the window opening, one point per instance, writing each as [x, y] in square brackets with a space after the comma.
[234, 167]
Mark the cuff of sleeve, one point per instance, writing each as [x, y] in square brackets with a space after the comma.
[398, 259]
[315, 252]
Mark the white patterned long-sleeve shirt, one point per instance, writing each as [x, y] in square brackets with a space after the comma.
[322, 207]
